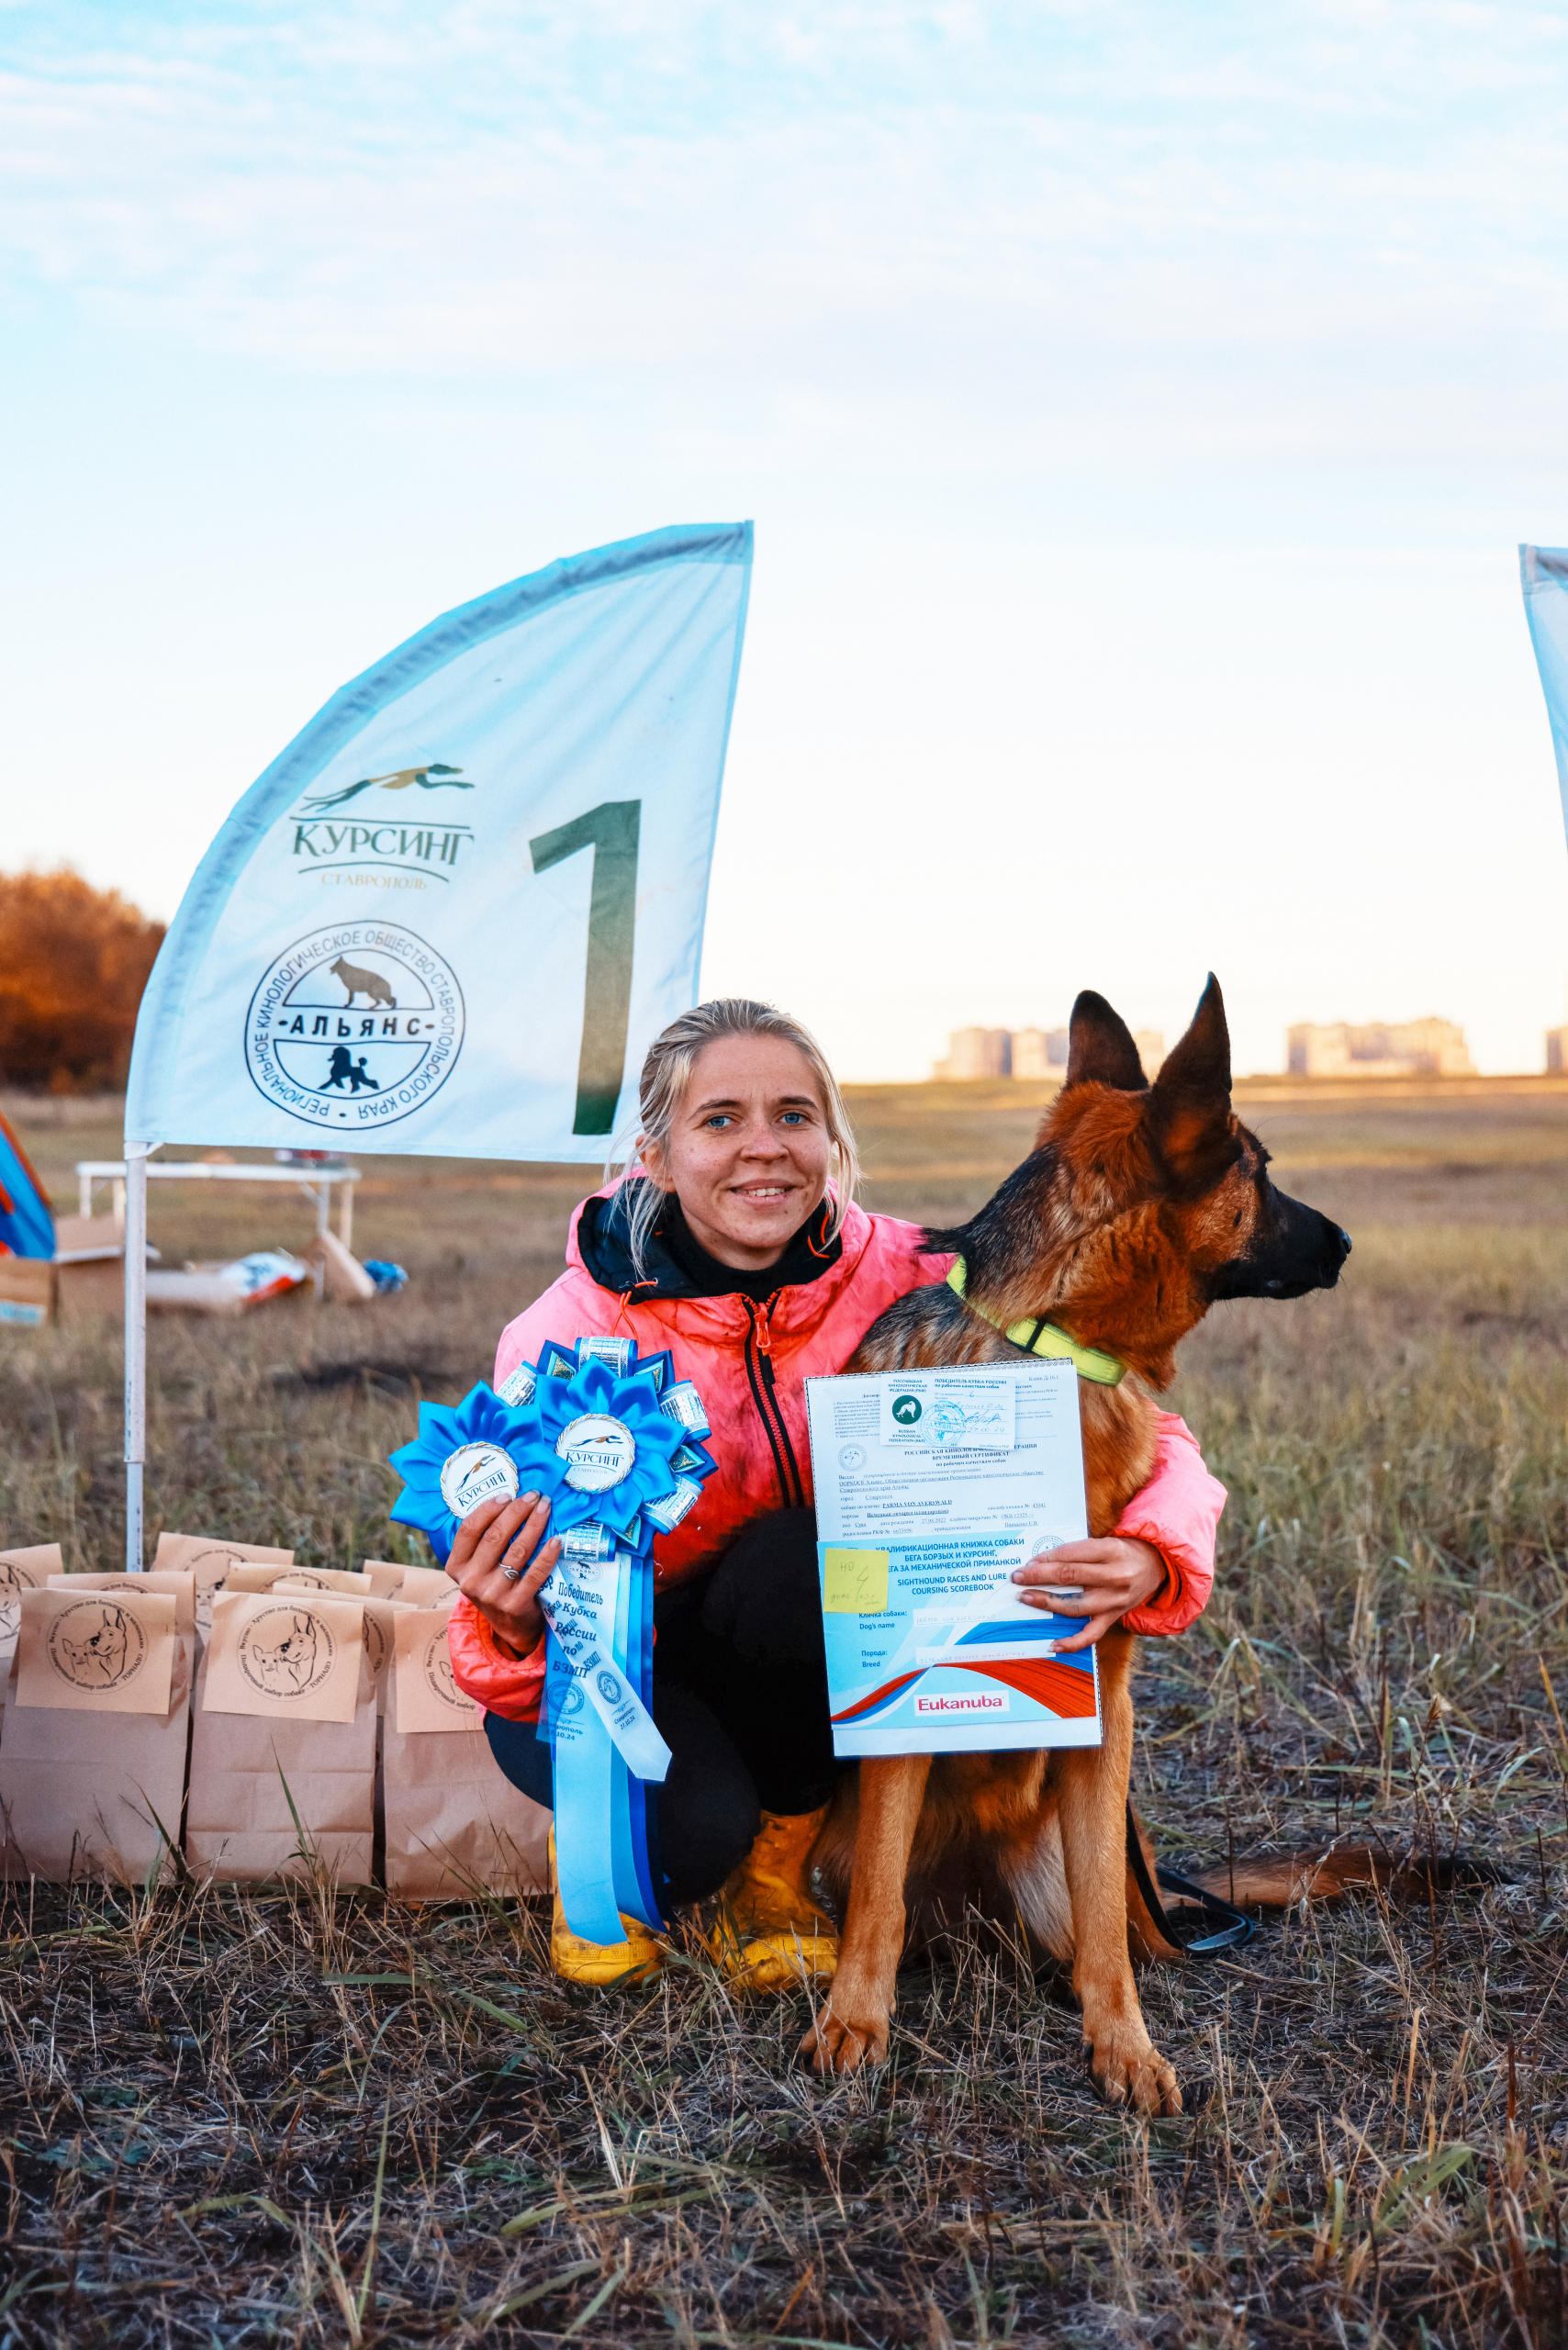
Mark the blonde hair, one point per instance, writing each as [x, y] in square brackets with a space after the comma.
[661, 1088]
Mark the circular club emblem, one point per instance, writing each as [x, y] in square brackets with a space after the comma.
[356, 1026]
[572, 1700]
[906, 1410]
[609, 1687]
[376, 1645]
[96, 1645]
[852, 1457]
[598, 1452]
[442, 1680]
[476, 1473]
[287, 1652]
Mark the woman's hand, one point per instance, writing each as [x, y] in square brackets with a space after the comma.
[1113, 1574]
[492, 1563]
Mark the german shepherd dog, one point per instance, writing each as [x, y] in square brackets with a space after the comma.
[1139, 1206]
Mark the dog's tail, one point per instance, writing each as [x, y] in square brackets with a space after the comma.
[1283, 1879]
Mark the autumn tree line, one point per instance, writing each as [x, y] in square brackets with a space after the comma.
[74, 961]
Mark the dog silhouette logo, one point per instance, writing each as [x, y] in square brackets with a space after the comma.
[96, 1645]
[906, 1410]
[369, 984]
[343, 1071]
[435, 777]
[598, 1452]
[287, 1652]
[356, 1026]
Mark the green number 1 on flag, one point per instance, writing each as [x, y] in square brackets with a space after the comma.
[610, 831]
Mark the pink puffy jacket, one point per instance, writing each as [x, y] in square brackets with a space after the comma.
[748, 1362]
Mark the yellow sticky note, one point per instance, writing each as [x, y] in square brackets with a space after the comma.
[854, 1583]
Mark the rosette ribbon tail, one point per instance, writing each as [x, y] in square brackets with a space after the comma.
[615, 1446]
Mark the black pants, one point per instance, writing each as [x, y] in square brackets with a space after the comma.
[740, 1698]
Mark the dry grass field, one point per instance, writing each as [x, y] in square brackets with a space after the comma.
[273, 2117]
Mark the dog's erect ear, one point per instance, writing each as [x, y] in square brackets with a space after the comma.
[1102, 1051]
[1189, 1105]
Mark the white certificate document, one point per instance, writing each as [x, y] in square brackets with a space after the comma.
[931, 1487]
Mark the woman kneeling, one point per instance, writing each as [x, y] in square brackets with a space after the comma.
[736, 1243]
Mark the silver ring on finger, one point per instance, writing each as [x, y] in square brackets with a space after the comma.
[512, 1574]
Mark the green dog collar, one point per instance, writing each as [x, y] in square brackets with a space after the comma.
[1043, 1337]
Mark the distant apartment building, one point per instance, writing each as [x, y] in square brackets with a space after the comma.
[1028, 1052]
[1411, 1048]
[1039, 1052]
[977, 1052]
[1556, 1051]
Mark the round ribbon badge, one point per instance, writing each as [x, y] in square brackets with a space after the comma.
[461, 1458]
[598, 1452]
[476, 1473]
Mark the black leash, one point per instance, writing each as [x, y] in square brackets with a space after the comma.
[1236, 1930]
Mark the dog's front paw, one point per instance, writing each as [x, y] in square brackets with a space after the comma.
[839, 2042]
[1129, 2070]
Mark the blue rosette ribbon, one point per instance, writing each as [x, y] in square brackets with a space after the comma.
[615, 1444]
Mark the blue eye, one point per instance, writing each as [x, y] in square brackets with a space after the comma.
[795, 1117]
[719, 1118]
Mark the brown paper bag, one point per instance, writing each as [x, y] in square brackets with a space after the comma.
[209, 1559]
[95, 1651]
[428, 1696]
[180, 1588]
[425, 1587]
[23, 1571]
[297, 1656]
[455, 1824]
[380, 1616]
[88, 1788]
[303, 1578]
[246, 1765]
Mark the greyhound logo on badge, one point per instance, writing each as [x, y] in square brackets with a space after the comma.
[476, 1473]
[96, 1645]
[598, 1452]
[353, 1027]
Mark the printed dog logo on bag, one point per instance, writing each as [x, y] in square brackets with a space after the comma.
[21, 1571]
[211, 1562]
[300, 1660]
[287, 1652]
[96, 1645]
[98, 1652]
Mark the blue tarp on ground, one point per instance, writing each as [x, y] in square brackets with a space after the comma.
[26, 1228]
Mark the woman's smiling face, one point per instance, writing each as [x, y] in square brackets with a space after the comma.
[748, 1150]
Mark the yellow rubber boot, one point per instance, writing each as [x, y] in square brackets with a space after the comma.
[576, 1960]
[771, 1932]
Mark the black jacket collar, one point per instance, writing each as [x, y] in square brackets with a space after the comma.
[677, 1266]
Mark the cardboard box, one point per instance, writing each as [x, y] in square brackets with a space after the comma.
[85, 1283]
[27, 1291]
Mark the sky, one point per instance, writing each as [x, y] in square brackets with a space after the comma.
[1138, 409]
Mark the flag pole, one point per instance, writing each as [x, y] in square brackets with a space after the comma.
[135, 1347]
